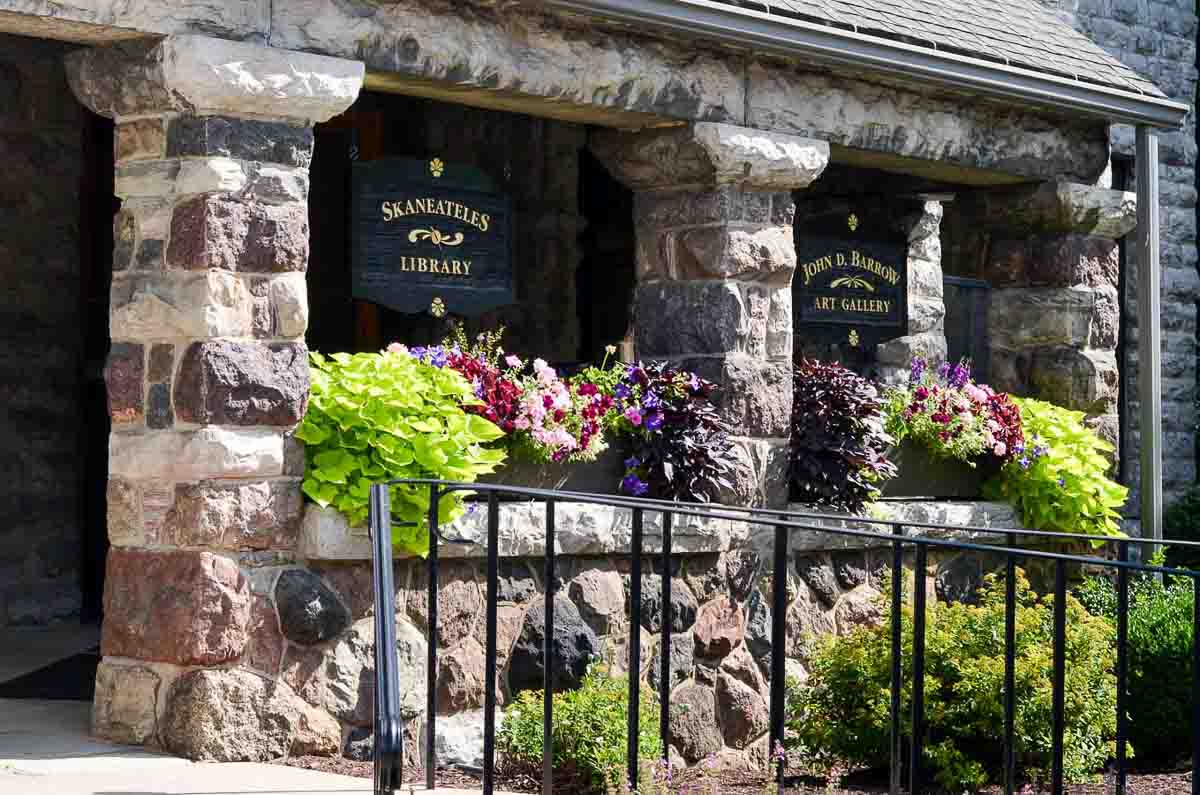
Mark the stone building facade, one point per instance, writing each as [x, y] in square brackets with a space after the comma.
[236, 621]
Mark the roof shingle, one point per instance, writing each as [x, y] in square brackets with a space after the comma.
[1019, 33]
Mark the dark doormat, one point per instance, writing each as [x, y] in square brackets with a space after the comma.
[69, 679]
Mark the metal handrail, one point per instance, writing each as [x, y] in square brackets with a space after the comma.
[388, 724]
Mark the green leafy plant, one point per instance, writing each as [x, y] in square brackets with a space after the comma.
[1160, 660]
[838, 444]
[589, 733]
[379, 416]
[1060, 482]
[841, 714]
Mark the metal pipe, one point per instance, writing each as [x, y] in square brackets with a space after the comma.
[1149, 340]
[775, 34]
[550, 576]
[917, 747]
[897, 684]
[778, 650]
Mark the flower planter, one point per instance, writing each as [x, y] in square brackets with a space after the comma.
[602, 476]
[923, 474]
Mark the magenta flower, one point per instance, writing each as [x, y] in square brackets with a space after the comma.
[633, 415]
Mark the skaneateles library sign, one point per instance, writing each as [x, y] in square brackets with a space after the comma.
[430, 236]
[850, 274]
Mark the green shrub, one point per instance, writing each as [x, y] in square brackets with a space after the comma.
[841, 715]
[1181, 522]
[1061, 482]
[1160, 661]
[589, 733]
[376, 416]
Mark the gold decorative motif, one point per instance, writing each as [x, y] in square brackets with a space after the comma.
[852, 222]
[436, 167]
[435, 237]
[856, 282]
[437, 308]
[853, 338]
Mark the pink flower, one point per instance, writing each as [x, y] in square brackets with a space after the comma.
[396, 347]
[633, 415]
[975, 393]
[1000, 449]
[513, 361]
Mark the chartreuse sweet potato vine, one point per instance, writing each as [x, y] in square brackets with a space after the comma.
[379, 416]
[1060, 482]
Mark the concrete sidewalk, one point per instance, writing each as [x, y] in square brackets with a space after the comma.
[45, 750]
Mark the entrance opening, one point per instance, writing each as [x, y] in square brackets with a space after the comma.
[56, 243]
[572, 230]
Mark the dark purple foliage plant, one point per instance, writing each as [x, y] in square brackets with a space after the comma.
[838, 441]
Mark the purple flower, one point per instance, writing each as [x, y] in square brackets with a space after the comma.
[959, 376]
[622, 391]
[632, 463]
[632, 484]
[1024, 462]
[1040, 450]
[654, 421]
[1062, 481]
[944, 370]
[651, 400]
[694, 383]
[916, 369]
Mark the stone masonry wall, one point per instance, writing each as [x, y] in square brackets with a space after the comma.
[1158, 39]
[311, 632]
[41, 348]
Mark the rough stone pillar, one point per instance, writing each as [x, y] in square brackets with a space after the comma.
[926, 332]
[1050, 253]
[207, 376]
[715, 256]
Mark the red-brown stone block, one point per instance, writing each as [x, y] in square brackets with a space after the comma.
[124, 375]
[239, 383]
[187, 608]
[215, 231]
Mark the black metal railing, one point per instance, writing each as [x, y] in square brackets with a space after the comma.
[388, 742]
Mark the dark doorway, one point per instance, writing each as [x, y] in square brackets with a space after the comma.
[97, 207]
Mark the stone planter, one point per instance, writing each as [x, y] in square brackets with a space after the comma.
[922, 474]
[601, 476]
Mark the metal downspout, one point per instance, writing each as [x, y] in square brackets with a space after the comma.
[1149, 310]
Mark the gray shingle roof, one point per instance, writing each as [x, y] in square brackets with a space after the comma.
[1018, 33]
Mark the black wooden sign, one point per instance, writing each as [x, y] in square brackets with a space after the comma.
[851, 270]
[430, 236]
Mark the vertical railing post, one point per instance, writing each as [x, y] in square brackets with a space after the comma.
[489, 664]
[918, 669]
[1060, 669]
[550, 576]
[1195, 686]
[389, 734]
[1122, 668]
[664, 690]
[431, 659]
[778, 649]
[897, 684]
[1010, 673]
[633, 730]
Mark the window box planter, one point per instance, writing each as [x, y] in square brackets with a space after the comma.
[602, 476]
[923, 474]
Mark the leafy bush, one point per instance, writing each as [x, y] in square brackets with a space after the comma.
[1160, 661]
[1061, 482]
[681, 445]
[377, 416]
[1181, 522]
[838, 441]
[841, 715]
[589, 733]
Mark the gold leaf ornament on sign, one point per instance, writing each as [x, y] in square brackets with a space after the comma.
[853, 338]
[435, 237]
[436, 167]
[856, 282]
[437, 308]
[852, 222]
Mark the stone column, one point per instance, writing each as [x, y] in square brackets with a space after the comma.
[207, 376]
[715, 256]
[1050, 253]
